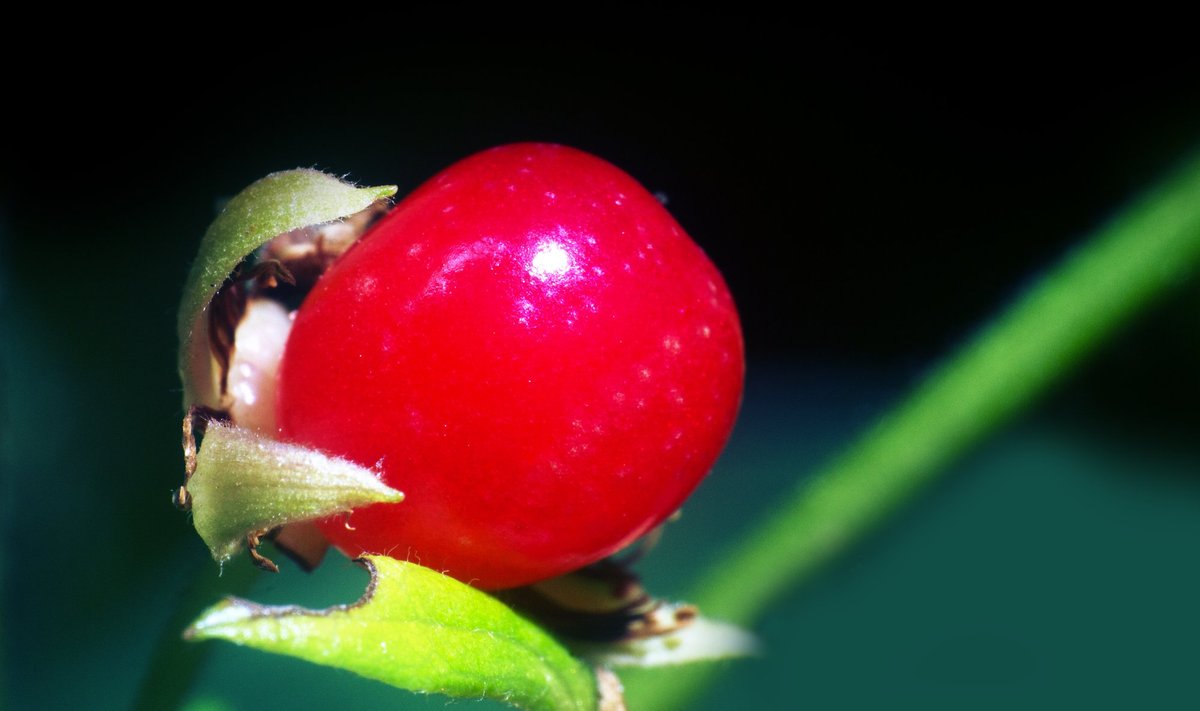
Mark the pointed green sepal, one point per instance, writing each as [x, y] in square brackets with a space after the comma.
[245, 483]
[420, 630]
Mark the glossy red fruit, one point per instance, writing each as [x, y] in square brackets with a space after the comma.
[538, 355]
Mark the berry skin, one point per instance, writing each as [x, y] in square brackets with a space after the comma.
[536, 354]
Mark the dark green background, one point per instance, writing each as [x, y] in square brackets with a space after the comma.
[870, 205]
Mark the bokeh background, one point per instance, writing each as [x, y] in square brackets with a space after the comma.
[871, 205]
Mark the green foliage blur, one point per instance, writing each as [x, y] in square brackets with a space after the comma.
[870, 207]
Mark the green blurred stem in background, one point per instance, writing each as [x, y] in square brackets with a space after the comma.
[175, 663]
[1146, 249]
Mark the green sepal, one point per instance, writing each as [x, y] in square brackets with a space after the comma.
[279, 203]
[246, 483]
[419, 630]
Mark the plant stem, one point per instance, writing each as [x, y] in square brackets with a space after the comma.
[175, 663]
[1146, 249]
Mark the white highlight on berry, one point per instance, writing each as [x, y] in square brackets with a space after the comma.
[550, 260]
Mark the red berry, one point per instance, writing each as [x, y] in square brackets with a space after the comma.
[536, 353]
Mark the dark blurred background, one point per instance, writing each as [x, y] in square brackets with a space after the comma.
[871, 205]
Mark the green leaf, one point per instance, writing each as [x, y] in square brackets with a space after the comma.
[245, 482]
[279, 203]
[418, 630]
[702, 640]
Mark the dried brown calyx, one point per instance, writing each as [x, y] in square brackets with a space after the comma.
[603, 602]
[250, 316]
